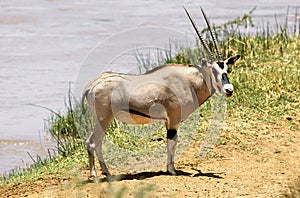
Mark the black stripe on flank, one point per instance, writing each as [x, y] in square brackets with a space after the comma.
[132, 111]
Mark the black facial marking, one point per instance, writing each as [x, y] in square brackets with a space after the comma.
[221, 65]
[171, 133]
[225, 79]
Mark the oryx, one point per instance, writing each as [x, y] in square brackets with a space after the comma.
[168, 93]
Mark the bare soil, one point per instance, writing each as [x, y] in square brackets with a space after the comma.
[264, 163]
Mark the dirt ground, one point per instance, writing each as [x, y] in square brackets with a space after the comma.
[266, 164]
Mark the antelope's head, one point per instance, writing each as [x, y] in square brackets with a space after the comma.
[217, 68]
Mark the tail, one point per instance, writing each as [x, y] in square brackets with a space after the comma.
[82, 100]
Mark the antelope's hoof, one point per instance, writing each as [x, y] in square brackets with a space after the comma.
[94, 178]
[107, 174]
[172, 172]
[93, 174]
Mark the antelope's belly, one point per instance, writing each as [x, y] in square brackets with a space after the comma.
[135, 117]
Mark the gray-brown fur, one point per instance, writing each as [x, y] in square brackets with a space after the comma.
[169, 94]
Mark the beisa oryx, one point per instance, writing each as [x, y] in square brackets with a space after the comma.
[168, 93]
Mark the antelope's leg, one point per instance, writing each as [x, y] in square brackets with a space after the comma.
[171, 145]
[94, 143]
[90, 144]
[101, 128]
[101, 160]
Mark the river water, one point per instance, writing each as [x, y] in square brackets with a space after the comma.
[43, 43]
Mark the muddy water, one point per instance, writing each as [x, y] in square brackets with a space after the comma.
[42, 44]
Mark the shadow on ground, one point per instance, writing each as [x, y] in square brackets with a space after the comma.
[146, 175]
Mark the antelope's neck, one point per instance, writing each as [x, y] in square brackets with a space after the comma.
[206, 89]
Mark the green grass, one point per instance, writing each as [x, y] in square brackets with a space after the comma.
[137, 138]
[266, 81]
[55, 168]
[266, 84]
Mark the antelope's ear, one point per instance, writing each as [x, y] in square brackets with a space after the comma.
[230, 61]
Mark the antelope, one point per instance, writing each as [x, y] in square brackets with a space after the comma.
[168, 93]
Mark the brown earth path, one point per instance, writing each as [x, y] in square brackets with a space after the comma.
[264, 163]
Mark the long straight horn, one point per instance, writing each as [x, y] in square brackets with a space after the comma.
[212, 58]
[213, 36]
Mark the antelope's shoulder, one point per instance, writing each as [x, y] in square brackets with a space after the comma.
[189, 69]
